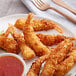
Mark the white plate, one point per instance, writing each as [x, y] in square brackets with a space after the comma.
[12, 18]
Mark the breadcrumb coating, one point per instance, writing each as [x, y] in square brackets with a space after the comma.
[38, 25]
[53, 39]
[27, 52]
[60, 52]
[9, 44]
[36, 66]
[65, 66]
[32, 40]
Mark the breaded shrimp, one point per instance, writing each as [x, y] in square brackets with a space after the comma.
[48, 24]
[9, 44]
[67, 64]
[20, 23]
[73, 53]
[64, 66]
[6, 33]
[52, 39]
[31, 38]
[60, 52]
[27, 52]
[36, 66]
[38, 25]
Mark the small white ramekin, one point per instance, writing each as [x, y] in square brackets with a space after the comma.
[17, 56]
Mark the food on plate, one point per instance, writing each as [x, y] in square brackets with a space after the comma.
[56, 61]
[59, 54]
[9, 44]
[48, 24]
[67, 64]
[36, 66]
[20, 23]
[10, 66]
[52, 39]
[6, 33]
[27, 52]
[73, 53]
[38, 25]
[32, 40]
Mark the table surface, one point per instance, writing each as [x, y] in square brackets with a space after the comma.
[9, 7]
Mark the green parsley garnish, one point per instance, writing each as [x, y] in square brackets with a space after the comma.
[68, 75]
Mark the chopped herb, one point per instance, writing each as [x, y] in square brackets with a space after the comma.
[68, 75]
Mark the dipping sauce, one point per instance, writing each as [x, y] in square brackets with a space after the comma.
[10, 66]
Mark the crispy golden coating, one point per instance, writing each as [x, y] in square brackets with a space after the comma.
[52, 39]
[31, 38]
[36, 66]
[38, 25]
[73, 53]
[67, 64]
[9, 44]
[48, 24]
[27, 52]
[20, 23]
[64, 67]
[6, 33]
[60, 52]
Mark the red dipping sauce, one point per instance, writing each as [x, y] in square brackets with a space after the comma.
[10, 66]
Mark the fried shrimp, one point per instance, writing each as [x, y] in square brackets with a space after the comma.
[31, 38]
[38, 25]
[53, 39]
[48, 24]
[9, 44]
[60, 52]
[6, 33]
[27, 52]
[36, 66]
[67, 64]
[20, 23]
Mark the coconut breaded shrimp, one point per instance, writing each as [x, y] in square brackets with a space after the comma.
[52, 39]
[6, 33]
[9, 44]
[36, 66]
[38, 25]
[48, 24]
[20, 23]
[3, 35]
[65, 66]
[73, 53]
[60, 52]
[27, 52]
[31, 38]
